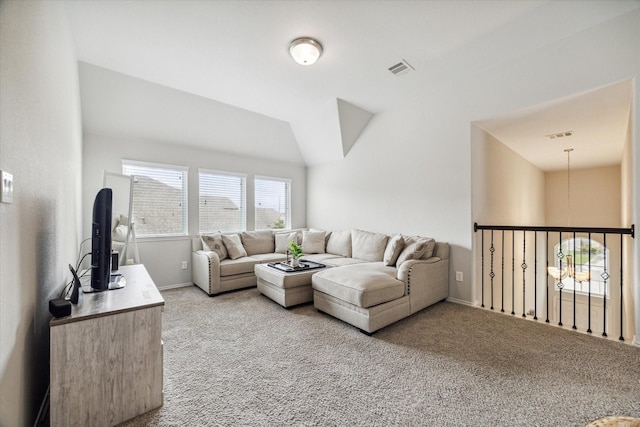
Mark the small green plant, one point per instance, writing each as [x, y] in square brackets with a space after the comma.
[295, 250]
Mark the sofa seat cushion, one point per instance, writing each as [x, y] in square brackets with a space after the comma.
[274, 257]
[321, 258]
[363, 285]
[339, 261]
[229, 267]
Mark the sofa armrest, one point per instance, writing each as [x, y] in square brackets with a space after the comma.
[206, 271]
[426, 281]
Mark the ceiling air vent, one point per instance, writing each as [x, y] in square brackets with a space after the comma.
[559, 135]
[402, 67]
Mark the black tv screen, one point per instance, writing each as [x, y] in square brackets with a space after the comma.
[101, 241]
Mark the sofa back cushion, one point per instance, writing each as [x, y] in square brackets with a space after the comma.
[340, 243]
[234, 247]
[416, 248]
[258, 242]
[313, 242]
[213, 242]
[393, 250]
[283, 239]
[368, 246]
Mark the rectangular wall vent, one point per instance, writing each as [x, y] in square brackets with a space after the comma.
[559, 134]
[402, 67]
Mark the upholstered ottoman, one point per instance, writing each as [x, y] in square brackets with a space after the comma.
[285, 288]
[368, 295]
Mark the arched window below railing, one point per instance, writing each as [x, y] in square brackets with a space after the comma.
[582, 264]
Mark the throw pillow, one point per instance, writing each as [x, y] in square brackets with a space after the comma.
[327, 234]
[416, 248]
[340, 243]
[313, 242]
[123, 220]
[213, 242]
[394, 247]
[368, 246]
[120, 233]
[234, 246]
[282, 241]
[258, 242]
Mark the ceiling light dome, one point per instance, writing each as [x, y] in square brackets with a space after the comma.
[305, 50]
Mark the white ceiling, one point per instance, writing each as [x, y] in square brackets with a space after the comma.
[235, 52]
[598, 120]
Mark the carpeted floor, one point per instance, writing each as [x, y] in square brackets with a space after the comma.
[240, 359]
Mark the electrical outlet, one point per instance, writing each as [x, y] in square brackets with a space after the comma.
[459, 276]
[184, 265]
[6, 195]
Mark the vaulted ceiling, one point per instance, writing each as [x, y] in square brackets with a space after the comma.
[234, 53]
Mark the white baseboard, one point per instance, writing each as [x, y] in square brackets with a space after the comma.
[460, 301]
[175, 286]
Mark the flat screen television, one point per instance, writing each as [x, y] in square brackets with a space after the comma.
[101, 240]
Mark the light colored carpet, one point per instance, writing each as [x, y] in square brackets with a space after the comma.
[240, 359]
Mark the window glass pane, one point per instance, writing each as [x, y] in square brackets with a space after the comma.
[583, 266]
[222, 202]
[159, 198]
[273, 203]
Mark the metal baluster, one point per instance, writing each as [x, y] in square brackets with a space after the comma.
[482, 274]
[560, 284]
[589, 289]
[502, 293]
[605, 276]
[492, 249]
[524, 268]
[513, 270]
[535, 276]
[547, 246]
[574, 281]
[621, 284]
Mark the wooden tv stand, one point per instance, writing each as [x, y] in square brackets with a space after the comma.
[106, 357]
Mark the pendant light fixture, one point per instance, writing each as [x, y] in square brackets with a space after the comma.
[559, 273]
[568, 151]
[305, 50]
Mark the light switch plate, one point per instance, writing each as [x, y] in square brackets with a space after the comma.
[6, 195]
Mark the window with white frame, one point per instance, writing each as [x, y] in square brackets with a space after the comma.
[159, 198]
[273, 203]
[582, 264]
[222, 201]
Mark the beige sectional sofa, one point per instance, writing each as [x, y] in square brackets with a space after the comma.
[374, 280]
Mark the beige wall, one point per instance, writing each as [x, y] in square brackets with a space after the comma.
[595, 198]
[40, 144]
[506, 190]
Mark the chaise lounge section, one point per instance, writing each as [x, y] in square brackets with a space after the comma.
[376, 294]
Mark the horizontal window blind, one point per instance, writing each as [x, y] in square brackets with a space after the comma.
[273, 203]
[222, 201]
[159, 198]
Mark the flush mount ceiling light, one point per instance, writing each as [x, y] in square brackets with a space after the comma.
[305, 50]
